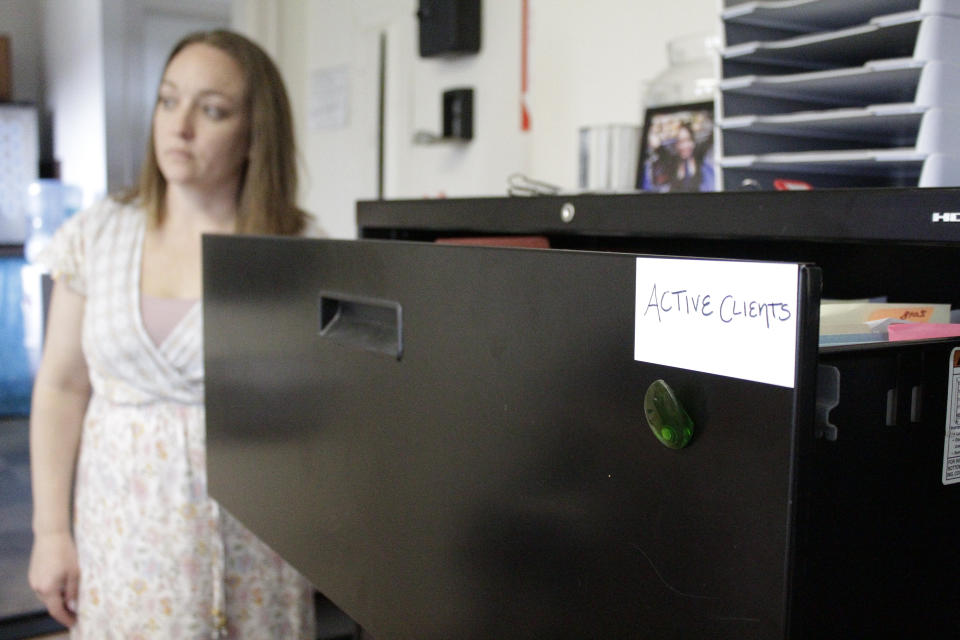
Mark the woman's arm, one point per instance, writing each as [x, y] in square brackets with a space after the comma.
[60, 395]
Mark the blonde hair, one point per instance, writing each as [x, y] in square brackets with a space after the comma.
[266, 201]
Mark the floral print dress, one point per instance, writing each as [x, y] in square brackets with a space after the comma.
[158, 558]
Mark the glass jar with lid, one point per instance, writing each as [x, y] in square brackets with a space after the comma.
[690, 76]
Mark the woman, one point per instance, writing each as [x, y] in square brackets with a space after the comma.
[117, 423]
[692, 172]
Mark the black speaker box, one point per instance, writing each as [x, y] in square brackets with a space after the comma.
[458, 114]
[449, 27]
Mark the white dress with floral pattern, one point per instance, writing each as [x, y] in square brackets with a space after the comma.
[158, 558]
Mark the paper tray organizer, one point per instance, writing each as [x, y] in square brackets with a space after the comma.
[840, 93]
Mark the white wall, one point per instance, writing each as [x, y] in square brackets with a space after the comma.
[588, 61]
[322, 39]
[415, 88]
[98, 55]
[341, 161]
[75, 93]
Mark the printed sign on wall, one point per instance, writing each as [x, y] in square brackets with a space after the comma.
[730, 318]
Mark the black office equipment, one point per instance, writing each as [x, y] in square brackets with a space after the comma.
[458, 114]
[449, 27]
[498, 479]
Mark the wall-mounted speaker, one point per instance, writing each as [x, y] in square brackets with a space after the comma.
[449, 27]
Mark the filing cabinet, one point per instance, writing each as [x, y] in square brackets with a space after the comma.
[451, 441]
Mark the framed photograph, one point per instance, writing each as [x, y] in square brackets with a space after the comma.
[676, 149]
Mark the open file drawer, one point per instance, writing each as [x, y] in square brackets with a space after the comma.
[882, 521]
[467, 456]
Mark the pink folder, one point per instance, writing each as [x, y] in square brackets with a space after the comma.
[922, 330]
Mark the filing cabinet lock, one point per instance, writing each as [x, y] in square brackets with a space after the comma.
[667, 418]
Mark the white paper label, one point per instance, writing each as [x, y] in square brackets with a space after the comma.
[329, 98]
[951, 440]
[736, 319]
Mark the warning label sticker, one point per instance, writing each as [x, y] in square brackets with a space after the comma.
[951, 438]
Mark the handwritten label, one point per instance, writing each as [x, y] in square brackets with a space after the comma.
[908, 314]
[736, 319]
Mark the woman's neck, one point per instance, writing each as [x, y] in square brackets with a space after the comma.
[201, 212]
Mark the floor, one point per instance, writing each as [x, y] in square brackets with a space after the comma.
[331, 625]
[15, 512]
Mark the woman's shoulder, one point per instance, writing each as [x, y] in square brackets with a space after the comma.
[105, 213]
[113, 206]
[104, 223]
[312, 227]
[91, 232]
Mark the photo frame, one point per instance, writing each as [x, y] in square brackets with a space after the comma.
[677, 149]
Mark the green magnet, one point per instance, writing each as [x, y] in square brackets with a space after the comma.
[666, 416]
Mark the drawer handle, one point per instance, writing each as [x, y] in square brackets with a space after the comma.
[362, 323]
